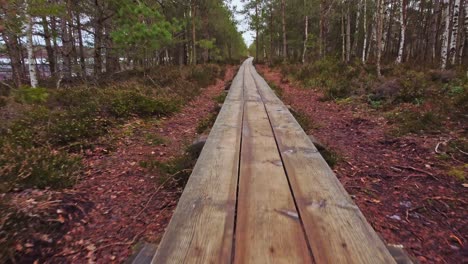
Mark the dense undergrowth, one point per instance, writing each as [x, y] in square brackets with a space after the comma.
[414, 100]
[44, 131]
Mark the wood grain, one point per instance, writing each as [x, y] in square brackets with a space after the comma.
[335, 227]
[268, 229]
[202, 227]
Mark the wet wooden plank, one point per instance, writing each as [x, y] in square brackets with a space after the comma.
[268, 229]
[202, 227]
[335, 227]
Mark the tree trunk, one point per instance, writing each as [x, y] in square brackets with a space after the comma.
[434, 29]
[343, 38]
[356, 28]
[257, 42]
[379, 35]
[403, 30]
[14, 53]
[81, 46]
[348, 32]
[29, 47]
[454, 38]
[271, 35]
[194, 37]
[283, 23]
[306, 33]
[364, 46]
[444, 47]
[48, 44]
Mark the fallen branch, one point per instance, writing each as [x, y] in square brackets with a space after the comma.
[158, 189]
[120, 243]
[414, 169]
[447, 198]
[418, 170]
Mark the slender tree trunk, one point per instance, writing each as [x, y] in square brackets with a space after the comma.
[257, 42]
[445, 36]
[283, 23]
[322, 29]
[14, 53]
[194, 37]
[306, 33]
[343, 38]
[403, 30]
[434, 29]
[454, 38]
[29, 47]
[81, 46]
[356, 29]
[364, 46]
[379, 35]
[348, 32]
[48, 44]
[271, 35]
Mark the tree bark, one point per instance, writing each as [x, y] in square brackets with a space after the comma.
[364, 46]
[194, 37]
[30, 47]
[434, 29]
[306, 33]
[379, 35]
[283, 23]
[403, 30]
[348, 32]
[356, 28]
[48, 45]
[445, 36]
[81, 46]
[454, 38]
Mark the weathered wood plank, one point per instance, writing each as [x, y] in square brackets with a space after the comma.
[335, 227]
[202, 228]
[250, 92]
[268, 229]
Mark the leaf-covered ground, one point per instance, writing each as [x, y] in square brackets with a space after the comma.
[404, 188]
[122, 199]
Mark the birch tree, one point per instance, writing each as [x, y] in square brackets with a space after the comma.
[445, 35]
[454, 37]
[29, 46]
[403, 30]
[364, 46]
[306, 31]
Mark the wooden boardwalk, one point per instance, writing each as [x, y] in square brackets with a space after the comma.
[262, 193]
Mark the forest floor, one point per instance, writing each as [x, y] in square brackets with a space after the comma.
[400, 185]
[119, 202]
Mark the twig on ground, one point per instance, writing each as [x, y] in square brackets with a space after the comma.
[120, 243]
[157, 190]
[461, 151]
[446, 198]
[436, 149]
[418, 170]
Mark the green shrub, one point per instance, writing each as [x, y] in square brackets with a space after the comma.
[205, 75]
[36, 167]
[72, 127]
[206, 123]
[413, 87]
[3, 101]
[127, 103]
[31, 95]
[414, 121]
[220, 98]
